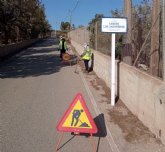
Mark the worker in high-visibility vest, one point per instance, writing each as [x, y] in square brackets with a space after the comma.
[62, 46]
[60, 43]
[86, 56]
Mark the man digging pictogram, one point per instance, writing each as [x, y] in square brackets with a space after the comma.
[76, 115]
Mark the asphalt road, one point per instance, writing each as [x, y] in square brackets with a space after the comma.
[36, 88]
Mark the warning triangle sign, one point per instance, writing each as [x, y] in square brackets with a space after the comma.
[77, 118]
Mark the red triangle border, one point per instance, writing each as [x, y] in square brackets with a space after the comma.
[92, 130]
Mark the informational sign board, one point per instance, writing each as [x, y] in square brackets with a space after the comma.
[77, 118]
[114, 25]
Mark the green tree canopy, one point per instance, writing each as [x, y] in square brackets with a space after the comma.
[22, 19]
[65, 26]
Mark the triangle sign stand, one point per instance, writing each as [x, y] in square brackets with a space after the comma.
[77, 119]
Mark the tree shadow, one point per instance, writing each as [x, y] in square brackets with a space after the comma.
[41, 59]
[47, 42]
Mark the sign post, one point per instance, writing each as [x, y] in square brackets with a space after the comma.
[113, 25]
[113, 71]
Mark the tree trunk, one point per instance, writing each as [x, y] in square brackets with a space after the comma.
[154, 52]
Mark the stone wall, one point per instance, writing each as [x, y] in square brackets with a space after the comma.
[8, 50]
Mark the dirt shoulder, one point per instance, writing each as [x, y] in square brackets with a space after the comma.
[127, 130]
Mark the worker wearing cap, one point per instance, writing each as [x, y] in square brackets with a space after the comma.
[62, 46]
[86, 56]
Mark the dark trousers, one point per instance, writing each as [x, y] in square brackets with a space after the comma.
[62, 51]
[86, 65]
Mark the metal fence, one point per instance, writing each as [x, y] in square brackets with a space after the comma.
[137, 53]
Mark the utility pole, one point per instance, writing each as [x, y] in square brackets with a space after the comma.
[155, 39]
[128, 14]
[70, 16]
[163, 37]
[56, 23]
[96, 35]
[70, 22]
[128, 37]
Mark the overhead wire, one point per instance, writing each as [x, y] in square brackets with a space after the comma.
[75, 6]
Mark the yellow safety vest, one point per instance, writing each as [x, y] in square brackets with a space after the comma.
[87, 55]
[60, 45]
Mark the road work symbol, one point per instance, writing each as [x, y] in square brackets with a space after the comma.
[77, 118]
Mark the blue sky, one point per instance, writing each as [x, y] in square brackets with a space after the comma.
[59, 10]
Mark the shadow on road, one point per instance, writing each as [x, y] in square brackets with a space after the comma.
[102, 132]
[41, 59]
[100, 123]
